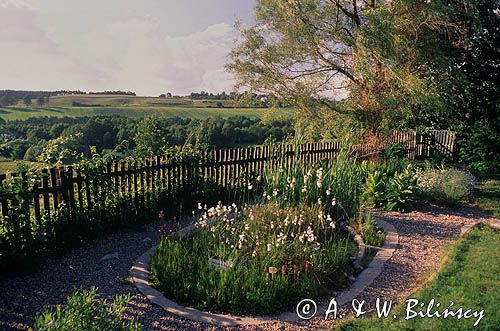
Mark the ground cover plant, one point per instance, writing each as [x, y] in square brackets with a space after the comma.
[447, 186]
[469, 262]
[86, 310]
[487, 195]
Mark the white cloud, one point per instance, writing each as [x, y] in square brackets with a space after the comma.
[131, 53]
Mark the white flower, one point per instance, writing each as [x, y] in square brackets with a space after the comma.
[320, 201]
[329, 191]
[269, 247]
[199, 206]
[310, 234]
[250, 187]
[334, 202]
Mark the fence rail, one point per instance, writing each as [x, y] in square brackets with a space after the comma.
[226, 168]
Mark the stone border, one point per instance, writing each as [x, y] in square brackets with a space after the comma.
[140, 277]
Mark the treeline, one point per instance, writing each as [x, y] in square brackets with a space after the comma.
[12, 97]
[245, 99]
[113, 93]
[64, 140]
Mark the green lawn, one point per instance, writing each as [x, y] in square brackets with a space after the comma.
[487, 195]
[470, 278]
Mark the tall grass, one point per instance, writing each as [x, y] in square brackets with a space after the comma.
[333, 184]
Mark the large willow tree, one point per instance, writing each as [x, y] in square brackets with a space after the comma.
[375, 56]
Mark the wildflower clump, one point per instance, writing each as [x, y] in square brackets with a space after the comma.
[270, 257]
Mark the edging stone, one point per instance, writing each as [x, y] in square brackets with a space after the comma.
[140, 277]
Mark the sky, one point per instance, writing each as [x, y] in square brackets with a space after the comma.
[147, 46]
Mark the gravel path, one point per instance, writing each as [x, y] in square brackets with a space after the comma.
[422, 235]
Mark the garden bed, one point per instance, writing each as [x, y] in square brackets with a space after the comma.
[258, 260]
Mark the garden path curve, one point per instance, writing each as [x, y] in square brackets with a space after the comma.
[422, 235]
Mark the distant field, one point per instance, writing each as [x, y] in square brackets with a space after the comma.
[135, 107]
[10, 114]
[119, 100]
[7, 165]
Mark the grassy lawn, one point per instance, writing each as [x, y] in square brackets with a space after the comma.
[470, 278]
[487, 195]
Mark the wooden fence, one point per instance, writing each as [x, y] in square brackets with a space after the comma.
[226, 168]
[425, 144]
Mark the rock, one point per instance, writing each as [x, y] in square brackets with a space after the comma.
[110, 256]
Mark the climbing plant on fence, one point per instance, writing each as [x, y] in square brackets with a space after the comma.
[44, 210]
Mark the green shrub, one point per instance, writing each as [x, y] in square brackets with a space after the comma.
[400, 191]
[396, 192]
[85, 310]
[479, 145]
[447, 186]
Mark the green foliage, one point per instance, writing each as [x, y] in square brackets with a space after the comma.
[273, 258]
[366, 226]
[23, 240]
[479, 145]
[150, 137]
[20, 239]
[374, 189]
[85, 310]
[447, 186]
[335, 184]
[394, 191]
[487, 195]
[468, 278]
[61, 151]
[66, 140]
[400, 191]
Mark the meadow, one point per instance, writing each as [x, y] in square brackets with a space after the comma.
[129, 106]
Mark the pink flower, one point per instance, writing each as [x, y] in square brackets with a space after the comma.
[190, 259]
[295, 269]
[283, 269]
[308, 266]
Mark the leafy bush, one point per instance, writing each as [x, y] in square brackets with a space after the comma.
[448, 186]
[85, 310]
[396, 192]
[272, 258]
[479, 145]
[400, 191]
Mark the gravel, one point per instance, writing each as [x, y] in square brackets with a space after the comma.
[422, 235]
